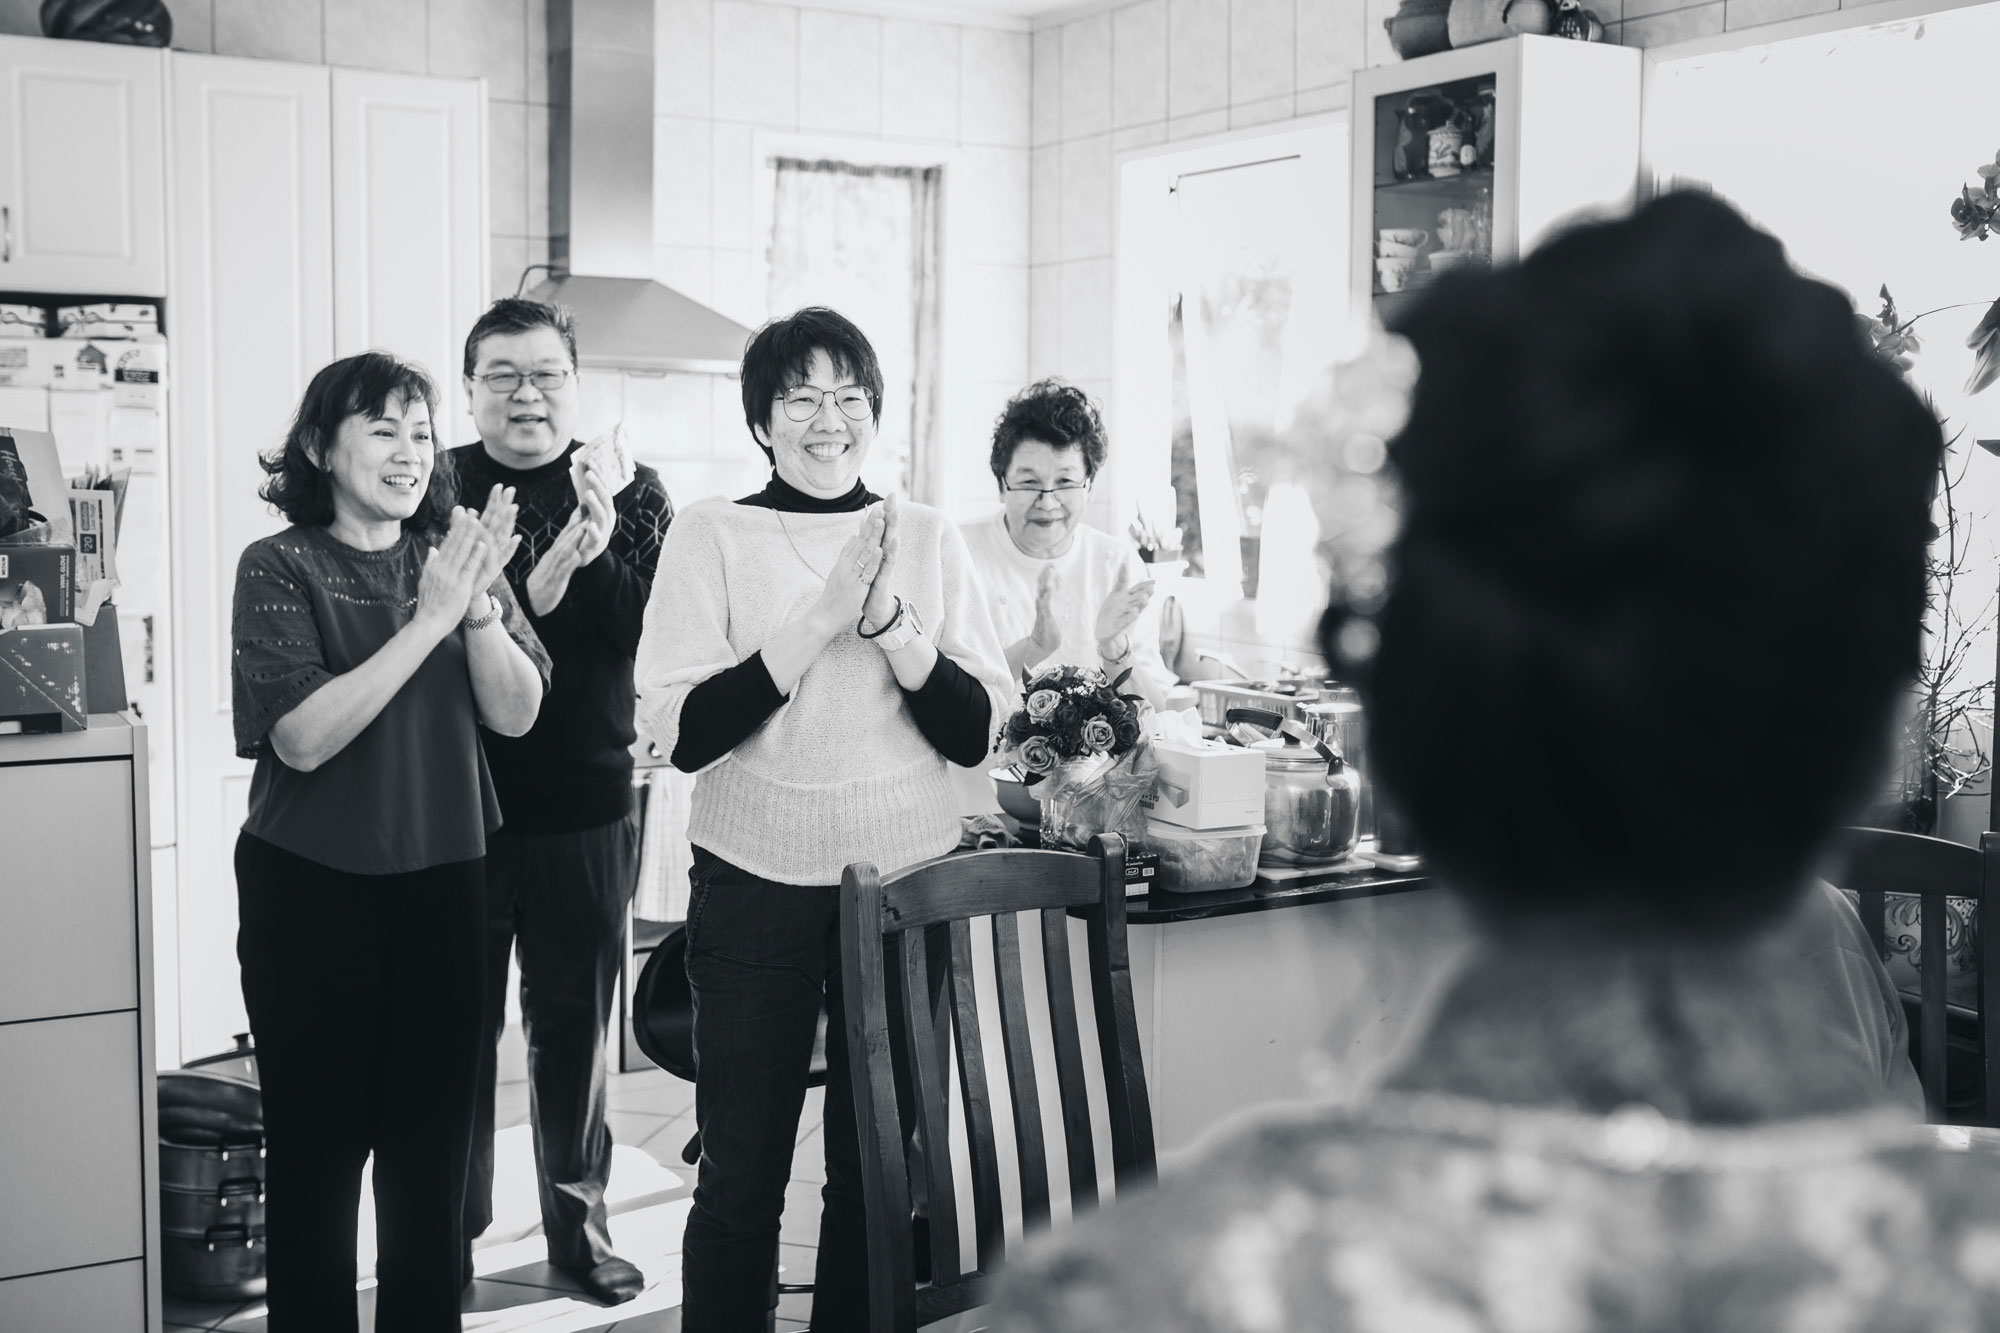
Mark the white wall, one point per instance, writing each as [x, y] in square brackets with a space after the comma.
[737, 80]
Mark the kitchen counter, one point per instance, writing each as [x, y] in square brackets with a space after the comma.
[1267, 893]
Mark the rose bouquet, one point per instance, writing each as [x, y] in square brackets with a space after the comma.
[1077, 742]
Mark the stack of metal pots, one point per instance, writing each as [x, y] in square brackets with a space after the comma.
[212, 1178]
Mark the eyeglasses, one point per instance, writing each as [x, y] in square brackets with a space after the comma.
[504, 382]
[803, 403]
[1068, 490]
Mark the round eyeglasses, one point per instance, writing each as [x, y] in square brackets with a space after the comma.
[803, 403]
[504, 382]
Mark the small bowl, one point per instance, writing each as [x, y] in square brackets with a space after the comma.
[1015, 797]
[1395, 273]
[1396, 250]
[1412, 238]
[1442, 260]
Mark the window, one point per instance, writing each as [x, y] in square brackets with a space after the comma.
[1233, 302]
[864, 239]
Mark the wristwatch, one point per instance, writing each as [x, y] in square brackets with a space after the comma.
[900, 632]
[492, 614]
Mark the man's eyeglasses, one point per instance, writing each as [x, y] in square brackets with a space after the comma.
[855, 403]
[1068, 490]
[504, 382]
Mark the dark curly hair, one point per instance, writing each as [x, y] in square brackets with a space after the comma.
[779, 358]
[1060, 415]
[1660, 579]
[517, 314]
[361, 386]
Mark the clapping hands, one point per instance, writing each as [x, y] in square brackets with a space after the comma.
[459, 570]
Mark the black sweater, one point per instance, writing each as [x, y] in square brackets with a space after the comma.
[951, 709]
[573, 770]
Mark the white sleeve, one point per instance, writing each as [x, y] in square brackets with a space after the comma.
[966, 634]
[686, 635]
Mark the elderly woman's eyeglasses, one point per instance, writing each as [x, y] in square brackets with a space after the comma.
[803, 403]
[504, 382]
[1068, 490]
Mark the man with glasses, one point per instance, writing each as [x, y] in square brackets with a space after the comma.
[1062, 593]
[564, 865]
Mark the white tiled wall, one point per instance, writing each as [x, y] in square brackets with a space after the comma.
[731, 74]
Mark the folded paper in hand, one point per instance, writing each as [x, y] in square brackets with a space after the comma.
[610, 457]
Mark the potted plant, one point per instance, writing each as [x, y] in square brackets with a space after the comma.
[1942, 752]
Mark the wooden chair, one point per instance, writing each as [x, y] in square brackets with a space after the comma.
[915, 927]
[1943, 1036]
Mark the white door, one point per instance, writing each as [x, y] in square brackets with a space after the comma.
[82, 193]
[409, 232]
[251, 302]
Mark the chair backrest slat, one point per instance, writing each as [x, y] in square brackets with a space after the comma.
[1078, 1144]
[1935, 871]
[1987, 951]
[1022, 1091]
[906, 946]
[987, 1220]
[878, 1128]
[1132, 1157]
[1931, 911]
[924, 1017]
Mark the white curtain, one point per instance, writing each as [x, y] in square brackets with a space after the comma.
[864, 240]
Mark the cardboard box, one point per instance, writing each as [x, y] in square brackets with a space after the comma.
[108, 319]
[104, 664]
[37, 585]
[1208, 785]
[42, 679]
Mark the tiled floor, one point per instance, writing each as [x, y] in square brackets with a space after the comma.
[652, 1117]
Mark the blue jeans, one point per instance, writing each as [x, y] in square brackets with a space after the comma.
[762, 957]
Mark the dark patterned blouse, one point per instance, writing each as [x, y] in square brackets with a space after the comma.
[410, 791]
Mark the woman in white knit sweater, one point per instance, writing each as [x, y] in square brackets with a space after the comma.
[1062, 593]
[818, 657]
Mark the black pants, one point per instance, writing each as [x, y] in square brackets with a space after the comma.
[561, 899]
[761, 958]
[363, 993]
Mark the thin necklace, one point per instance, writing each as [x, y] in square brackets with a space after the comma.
[817, 573]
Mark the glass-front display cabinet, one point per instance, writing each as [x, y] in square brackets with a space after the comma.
[1469, 157]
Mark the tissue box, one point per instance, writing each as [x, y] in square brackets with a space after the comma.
[1223, 785]
[37, 585]
[41, 679]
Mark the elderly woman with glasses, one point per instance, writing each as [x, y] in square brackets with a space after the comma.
[1061, 593]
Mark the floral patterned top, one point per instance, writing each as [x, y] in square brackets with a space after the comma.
[1435, 1214]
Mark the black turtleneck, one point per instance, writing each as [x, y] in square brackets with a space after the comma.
[951, 709]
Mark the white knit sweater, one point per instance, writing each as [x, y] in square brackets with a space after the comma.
[840, 773]
[1085, 575]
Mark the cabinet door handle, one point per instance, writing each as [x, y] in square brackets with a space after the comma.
[6, 234]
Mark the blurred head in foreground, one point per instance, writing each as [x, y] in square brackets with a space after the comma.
[1658, 582]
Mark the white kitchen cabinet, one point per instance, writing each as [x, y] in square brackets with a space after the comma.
[1550, 133]
[316, 213]
[82, 181]
[409, 230]
[252, 299]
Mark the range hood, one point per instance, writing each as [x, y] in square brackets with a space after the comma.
[601, 201]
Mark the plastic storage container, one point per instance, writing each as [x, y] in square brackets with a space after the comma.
[1204, 860]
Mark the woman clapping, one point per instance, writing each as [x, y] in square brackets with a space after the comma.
[373, 637]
